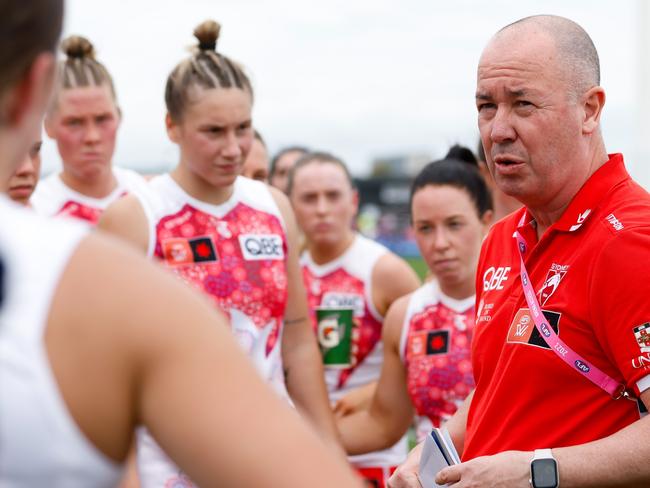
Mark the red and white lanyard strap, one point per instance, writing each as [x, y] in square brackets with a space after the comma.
[568, 355]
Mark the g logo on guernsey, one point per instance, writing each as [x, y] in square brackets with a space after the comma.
[582, 366]
[494, 278]
[522, 248]
[261, 247]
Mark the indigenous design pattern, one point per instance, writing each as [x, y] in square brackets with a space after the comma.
[437, 360]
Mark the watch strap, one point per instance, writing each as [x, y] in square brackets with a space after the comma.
[543, 454]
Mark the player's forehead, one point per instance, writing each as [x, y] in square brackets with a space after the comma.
[321, 176]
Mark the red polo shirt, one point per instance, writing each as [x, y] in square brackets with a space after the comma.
[591, 271]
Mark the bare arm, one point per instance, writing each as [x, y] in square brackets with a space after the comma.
[618, 460]
[126, 219]
[300, 355]
[121, 359]
[457, 424]
[390, 411]
[356, 400]
[392, 278]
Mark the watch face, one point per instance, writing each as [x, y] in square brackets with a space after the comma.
[544, 473]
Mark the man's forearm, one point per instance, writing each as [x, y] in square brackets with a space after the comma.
[457, 424]
[618, 460]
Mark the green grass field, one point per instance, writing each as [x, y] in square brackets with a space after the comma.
[419, 266]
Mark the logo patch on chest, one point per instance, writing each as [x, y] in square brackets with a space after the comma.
[428, 343]
[552, 281]
[344, 300]
[261, 247]
[523, 331]
[179, 251]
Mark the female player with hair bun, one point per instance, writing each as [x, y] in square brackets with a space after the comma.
[427, 334]
[232, 238]
[83, 119]
[90, 343]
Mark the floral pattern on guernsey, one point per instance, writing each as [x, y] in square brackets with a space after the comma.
[215, 263]
[80, 211]
[368, 329]
[437, 360]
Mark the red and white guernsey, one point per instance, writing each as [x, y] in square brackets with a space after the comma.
[235, 253]
[54, 198]
[347, 282]
[436, 351]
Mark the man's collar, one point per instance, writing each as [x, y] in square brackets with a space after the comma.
[588, 198]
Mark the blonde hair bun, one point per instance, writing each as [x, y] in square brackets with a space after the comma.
[78, 47]
[207, 33]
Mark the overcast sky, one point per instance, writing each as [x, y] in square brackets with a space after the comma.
[360, 78]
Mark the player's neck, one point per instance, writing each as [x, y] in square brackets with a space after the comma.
[458, 291]
[199, 188]
[100, 185]
[324, 253]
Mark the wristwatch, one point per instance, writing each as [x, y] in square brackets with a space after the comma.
[543, 470]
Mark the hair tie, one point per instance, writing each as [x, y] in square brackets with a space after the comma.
[208, 46]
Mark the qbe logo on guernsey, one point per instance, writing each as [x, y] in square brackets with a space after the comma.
[344, 300]
[261, 247]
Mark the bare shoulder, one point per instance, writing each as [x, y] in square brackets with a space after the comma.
[126, 300]
[392, 277]
[126, 219]
[113, 316]
[394, 321]
[390, 264]
[288, 216]
[281, 200]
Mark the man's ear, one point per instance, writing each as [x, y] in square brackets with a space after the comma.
[593, 102]
[172, 128]
[487, 220]
[30, 96]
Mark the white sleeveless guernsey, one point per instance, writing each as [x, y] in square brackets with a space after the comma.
[435, 347]
[347, 282]
[54, 198]
[234, 253]
[40, 443]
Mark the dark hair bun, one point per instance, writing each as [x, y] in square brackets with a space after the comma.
[78, 47]
[207, 33]
[461, 153]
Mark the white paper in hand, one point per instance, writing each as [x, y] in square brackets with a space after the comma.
[438, 453]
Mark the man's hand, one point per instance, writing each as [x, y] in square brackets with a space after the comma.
[406, 475]
[509, 469]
